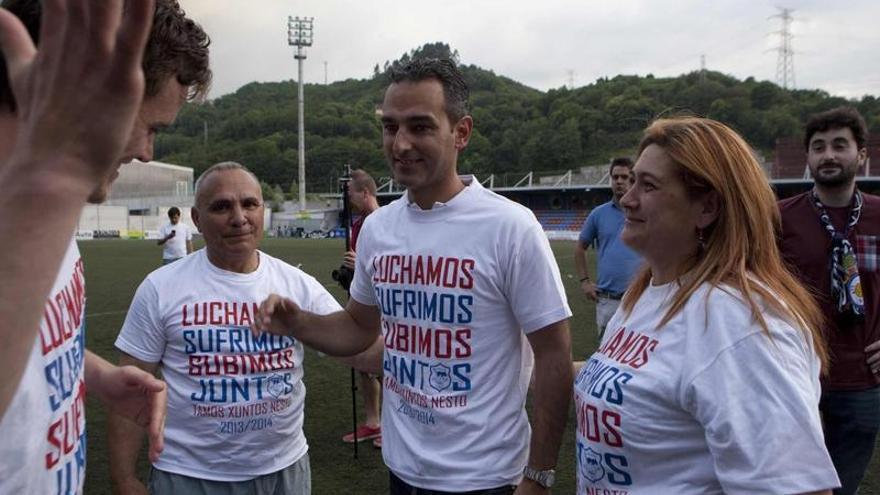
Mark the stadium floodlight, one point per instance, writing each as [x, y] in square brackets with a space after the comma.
[299, 34]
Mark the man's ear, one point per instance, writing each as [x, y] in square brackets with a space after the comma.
[194, 214]
[462, 130]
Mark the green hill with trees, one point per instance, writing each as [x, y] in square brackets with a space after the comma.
[517, 128]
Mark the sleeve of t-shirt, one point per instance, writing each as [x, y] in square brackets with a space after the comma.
[143, 335]
[163, 231]
[189, 233]
[758, 404]
[589, 230]
[361, 289]
[321, 302]
[534, 286]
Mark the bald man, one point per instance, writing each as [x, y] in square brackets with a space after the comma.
[235, 401]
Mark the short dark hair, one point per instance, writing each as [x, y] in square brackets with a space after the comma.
[362, 181]
[445, 71]
[837, 118]
[177, 47]
[173, 211]
[621, 161]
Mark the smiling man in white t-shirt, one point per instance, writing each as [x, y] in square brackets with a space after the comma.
[235, 400]
[465, 289]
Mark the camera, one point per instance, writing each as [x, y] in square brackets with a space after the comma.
[343, 275]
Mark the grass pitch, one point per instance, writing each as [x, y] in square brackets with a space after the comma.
[114, 268]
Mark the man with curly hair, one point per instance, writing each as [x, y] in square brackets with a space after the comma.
[94, 93]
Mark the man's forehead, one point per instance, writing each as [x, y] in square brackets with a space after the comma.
[427, 87]
[232, 194]
[229, 183]
[412, 100]
[832, 134]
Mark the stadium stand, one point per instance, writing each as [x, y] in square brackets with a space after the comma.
[561, 220]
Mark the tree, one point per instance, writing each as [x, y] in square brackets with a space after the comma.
[517, 128]
[476, 158]
[272, 195]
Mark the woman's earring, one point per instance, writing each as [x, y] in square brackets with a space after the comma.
[701, 238]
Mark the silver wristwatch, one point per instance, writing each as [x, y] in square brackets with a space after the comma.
[545, 478]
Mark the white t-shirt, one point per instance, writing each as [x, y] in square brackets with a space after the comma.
[43, 432]
[458, 286]
[706, 404]
[175, 247]
[235, 401]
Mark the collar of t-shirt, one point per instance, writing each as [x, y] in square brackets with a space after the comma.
[663, 295]
[662, 291]
[442, 210]
[232, 277]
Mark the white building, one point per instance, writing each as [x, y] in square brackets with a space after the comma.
[145, 187]
[139, 200]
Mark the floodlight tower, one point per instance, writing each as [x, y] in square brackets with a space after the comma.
[299, 34]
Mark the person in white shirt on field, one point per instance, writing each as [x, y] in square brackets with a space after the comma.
[235, 401]
[175, 238]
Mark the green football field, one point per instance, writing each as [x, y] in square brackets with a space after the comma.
[114, 268]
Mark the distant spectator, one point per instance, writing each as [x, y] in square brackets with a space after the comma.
[831, 234]
[362, 198]
[176, 238]
[617, 263]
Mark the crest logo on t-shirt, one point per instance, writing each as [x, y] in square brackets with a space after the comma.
[275, 385]
[440, 378]
[590, 463]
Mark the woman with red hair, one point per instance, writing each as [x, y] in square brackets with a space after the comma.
[707, 378]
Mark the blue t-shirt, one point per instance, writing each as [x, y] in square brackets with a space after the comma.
[617, 262]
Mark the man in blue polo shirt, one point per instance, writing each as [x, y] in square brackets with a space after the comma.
[617, 263]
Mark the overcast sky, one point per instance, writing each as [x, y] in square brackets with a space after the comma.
[548, 43]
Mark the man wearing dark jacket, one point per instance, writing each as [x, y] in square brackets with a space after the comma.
[831, 238]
